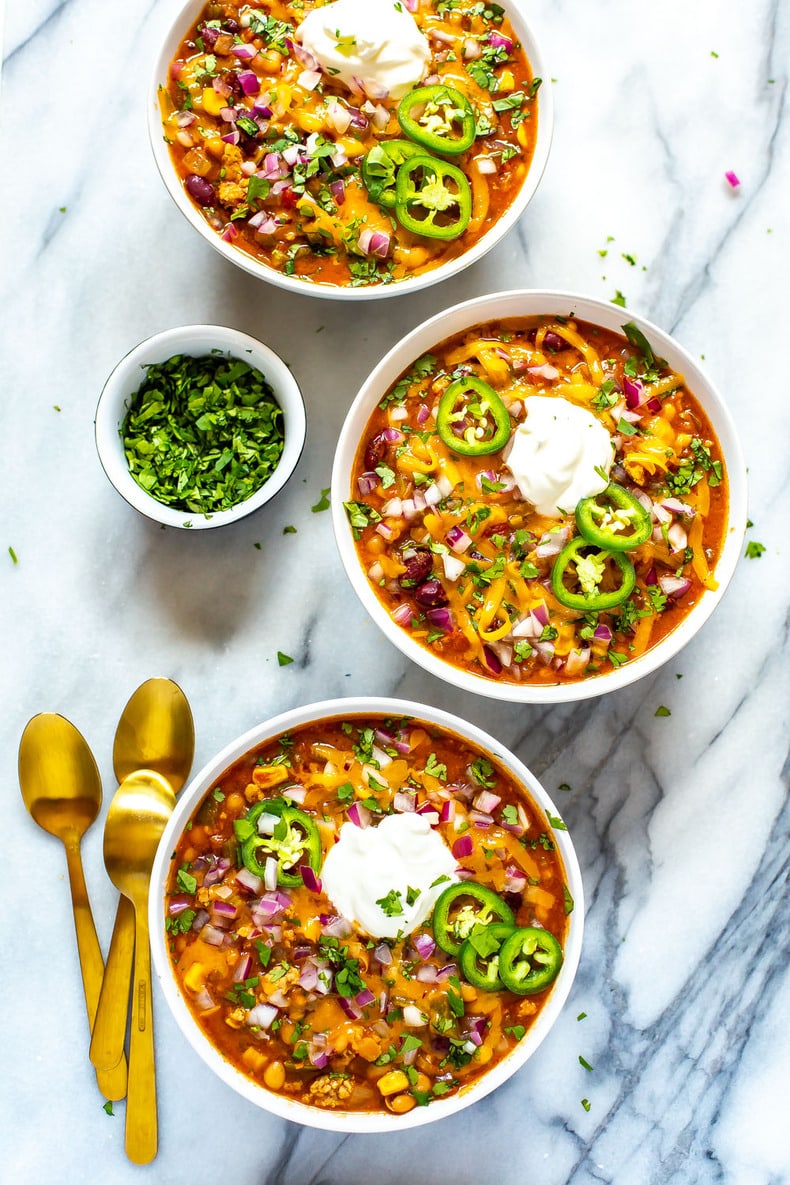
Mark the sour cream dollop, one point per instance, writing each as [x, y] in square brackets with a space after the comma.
[377, 42]
[396, 862]
[558, 455]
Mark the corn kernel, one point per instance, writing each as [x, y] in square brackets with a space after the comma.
[506, 81]
[392, 1083]
[308, 121]
[268, 63]
[212, 101]
[522, 135]
[351, 147]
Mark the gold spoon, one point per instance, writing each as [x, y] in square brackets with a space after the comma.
[61, 789]
[138, 815]
[155, 732]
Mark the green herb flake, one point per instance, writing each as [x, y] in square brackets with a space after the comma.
[619, 299]
[582, 1016]
[322, 503]
[202, 434]
[14, 556]
[556, 822]
[753, 550]
[662, 711]
[586, 1104]
[289, 530]
[585, 1064]
[283, 660]
[107, 1108]
[186, 882]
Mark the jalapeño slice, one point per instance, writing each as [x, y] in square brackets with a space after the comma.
[432, 198]
[614, 519]
[588, 565]
[472, 420]
[479, 955]
[529, 960]
[439, 118]
[380, 167]
[463, 906]
[294, 841]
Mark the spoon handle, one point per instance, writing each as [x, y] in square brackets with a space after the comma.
[112, 1082]
[109, 1027]
[141, 1121]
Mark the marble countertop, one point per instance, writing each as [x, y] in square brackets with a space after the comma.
[681, 822]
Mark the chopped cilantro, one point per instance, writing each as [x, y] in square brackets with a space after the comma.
[754, 549]
[662, 711]
[322, 503]
[283, 660]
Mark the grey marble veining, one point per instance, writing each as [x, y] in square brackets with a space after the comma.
[681, 823]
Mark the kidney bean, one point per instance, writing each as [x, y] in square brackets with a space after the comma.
[553, 341]
[200, 189]
[374, 451]
[418, 568]
[431, 594]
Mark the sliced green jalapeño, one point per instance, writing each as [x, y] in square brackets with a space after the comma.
[293, 841]
[529, 960]
[471, 419]
[432, 198]
[588, 566]
[614, 519]
[479, 955]
[380, 167]
[439, 118]
[461, 908]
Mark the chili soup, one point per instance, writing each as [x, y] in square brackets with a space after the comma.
[354, 144]
[367, 914]
[535, 502]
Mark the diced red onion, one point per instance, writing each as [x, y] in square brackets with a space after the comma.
[674, 586]
[500, 41]
[677, 537]
[577, 661]
[463, 847]
[244, 51]
[458, 540]
[249, 81]
[311, 882]
[471, 49]
[243, 969]
[295, 793]
[402, 614]
[675, 506]
[492, 662]
[632, 389]
[359, 815]
[382, 954]
[403, 802]
[423, 413]
[602, 633]
[424, 945]
[350, 1007]
[384, 530]
[302, 55]
[212, 935]
[552, 543]
[337, 927]
[309, 79]
[486, 801]
[232, 137]
[374, 242]
[546, 371]
[262, 1016]
[179, 903]
[338, 190]
[441, 618]
[223, 909]
[263, 222]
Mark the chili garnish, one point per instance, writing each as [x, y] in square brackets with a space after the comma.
[479, 955]
[463, 907]
[530, 959]
[472, 405]
[438, 188]
[439, 118]
[294, 841]
[380, 167]
[615, 519]
[591, 564]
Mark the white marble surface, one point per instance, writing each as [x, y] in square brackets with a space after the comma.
[681, 822]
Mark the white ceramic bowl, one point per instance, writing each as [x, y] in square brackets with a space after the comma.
[340, 1120]
[197, 340]
[523, 304]
[545, 116]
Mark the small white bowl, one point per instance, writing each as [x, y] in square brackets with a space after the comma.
[198, 341]
[340, 1120]
[161, 151]
[525, 304]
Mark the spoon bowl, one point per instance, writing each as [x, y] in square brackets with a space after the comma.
[61, 789]
[155, 732]
[138, 814]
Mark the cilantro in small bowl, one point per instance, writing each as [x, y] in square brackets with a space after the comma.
[199, 426]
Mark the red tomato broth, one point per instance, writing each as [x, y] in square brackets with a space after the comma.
[323, 1049]
[308, 213]
[665, 450]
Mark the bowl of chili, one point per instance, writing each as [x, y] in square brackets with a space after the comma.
[366, 914]
[539, 497]
[343, 189]
[199, 426]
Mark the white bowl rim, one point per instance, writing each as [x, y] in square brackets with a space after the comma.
[523, 303]
[126, 377]
[254, 267]
[350, 1121]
